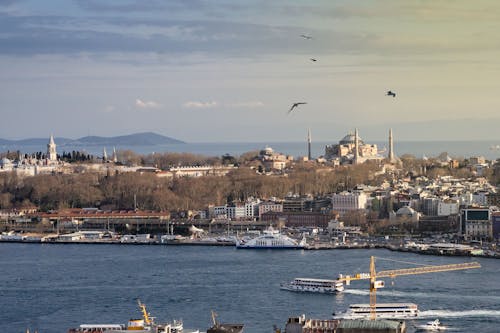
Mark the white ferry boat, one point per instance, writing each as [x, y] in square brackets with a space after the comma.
[322, 286]
[382, 310]
[271, 239]
[145, 325]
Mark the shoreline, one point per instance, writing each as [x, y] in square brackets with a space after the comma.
[314, 247]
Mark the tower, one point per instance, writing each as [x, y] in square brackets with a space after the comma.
[356, 147]
[114, 157]
[391, 147]
[104, 155]
[309, 144]
[51, 149]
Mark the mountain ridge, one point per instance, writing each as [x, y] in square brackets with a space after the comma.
[135, 139]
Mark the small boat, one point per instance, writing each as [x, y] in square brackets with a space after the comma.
[322, 286]
[271, 239]
[382, 311]
[434, 325]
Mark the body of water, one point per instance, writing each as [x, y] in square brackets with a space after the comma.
[52, 287]
[416, 148]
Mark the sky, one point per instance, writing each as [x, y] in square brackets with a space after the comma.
[229, 70]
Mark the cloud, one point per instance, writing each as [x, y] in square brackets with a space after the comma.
[146, 104]
[200, 105]
[250, 104]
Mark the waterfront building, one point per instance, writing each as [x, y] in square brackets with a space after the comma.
[495, 218]
[347, 201]
[269, 206]
[235, 211]
[297, 203]
[252, 208]
[476, 223]
[217, 211]
[298, 219]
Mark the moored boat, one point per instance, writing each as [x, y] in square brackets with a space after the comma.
[271, 239]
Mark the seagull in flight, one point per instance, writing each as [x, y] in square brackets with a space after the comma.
[390, 93]
[306, 36]
[314, 59]
[294, 105]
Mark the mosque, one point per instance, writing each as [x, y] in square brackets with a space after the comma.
[351, 149]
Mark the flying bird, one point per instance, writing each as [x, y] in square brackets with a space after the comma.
[306, 36]
[294, 105]
[390, 93]
[314, 59]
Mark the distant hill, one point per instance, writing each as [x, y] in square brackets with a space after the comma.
[137, 139]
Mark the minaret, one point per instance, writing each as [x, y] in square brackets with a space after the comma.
[51, 149]
[309, 144]
[115, 157]
[391, 147]
[356, 147]
[104, 155]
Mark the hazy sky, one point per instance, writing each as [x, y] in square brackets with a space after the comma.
[229, 70]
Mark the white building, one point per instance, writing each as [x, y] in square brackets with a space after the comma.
[252, 208]
[447, 208]
[236, 212]
[217, 211]
[347, 201]
[269, 206]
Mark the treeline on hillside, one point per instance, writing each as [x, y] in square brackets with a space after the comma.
[154, 193]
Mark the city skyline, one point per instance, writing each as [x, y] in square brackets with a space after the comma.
[221, 71]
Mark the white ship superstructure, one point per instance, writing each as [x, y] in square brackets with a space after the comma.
[271, 239]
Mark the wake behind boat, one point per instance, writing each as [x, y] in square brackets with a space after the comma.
[323, 286]
[271, 239]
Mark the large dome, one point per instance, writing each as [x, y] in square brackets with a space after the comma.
[350, 139]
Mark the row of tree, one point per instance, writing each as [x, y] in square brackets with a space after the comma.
[124, 191]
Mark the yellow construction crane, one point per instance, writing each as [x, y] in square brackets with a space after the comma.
[376, 284]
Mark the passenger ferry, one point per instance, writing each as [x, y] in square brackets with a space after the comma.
[145, 325]
[322, 286]
[271, 239]
[382, 310]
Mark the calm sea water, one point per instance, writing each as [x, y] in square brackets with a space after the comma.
[416, 148]
[53, 287]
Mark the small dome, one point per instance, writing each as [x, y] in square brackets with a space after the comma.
[350, 139]
[5, 161]
[405, 211]
[267, 151]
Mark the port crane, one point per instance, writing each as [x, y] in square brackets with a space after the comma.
[375, 284]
